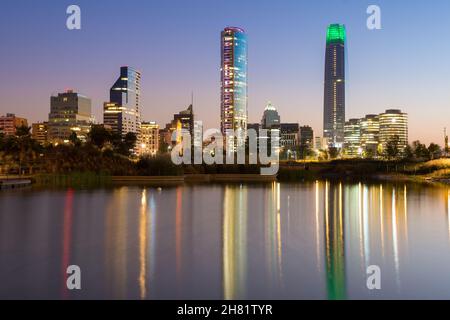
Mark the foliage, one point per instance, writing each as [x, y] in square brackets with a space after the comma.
[160, 165]
[392, 150]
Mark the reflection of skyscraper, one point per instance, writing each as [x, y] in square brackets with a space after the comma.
[123, 112]
[235, 242]
[233, 79]
[334, 93]
[334, 241]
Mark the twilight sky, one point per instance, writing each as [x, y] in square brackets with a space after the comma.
[176, 45]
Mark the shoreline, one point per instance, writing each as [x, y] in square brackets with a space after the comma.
[430, 172]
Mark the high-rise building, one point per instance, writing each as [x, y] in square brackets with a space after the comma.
[9, 124]
[271, 118]
[352, 138]
[370, 134]
[69, 112]
[394, 127]
[186, 118]
[233, 71]
[39, 132]
[123, 111]
[334, 91]
[307, 137]
[149, 138]
[182, 121]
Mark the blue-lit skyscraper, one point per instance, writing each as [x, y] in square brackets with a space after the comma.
[233, 78]
[334, 93]
[123, 112]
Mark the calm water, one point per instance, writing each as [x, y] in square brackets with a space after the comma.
[286, 241]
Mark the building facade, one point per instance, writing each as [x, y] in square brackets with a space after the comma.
[69, 112]
[289, 135]
[123, 112]
[352, 138]
[394, 127]
[39, 132]
[149, 138]
[307, 137]
[9, 124]
[370, 135]
[233, 77]
[334, 86]
[186, 119]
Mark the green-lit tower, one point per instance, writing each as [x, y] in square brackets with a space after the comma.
[334, 93]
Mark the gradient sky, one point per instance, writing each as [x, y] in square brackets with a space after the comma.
[176, 45]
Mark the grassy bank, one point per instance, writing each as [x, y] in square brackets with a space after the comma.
[430, 171]
[73, 180]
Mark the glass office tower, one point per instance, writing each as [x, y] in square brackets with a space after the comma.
[233, 72]
[123, 113]
[334, 93]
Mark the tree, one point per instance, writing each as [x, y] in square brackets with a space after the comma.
[99, 135]
[434, 151]
[333, 152]
[409, 152]
[392, 150]
[74, 139]
[23, 131]
[420, 150]
[369, 153]
[130, 140]
[126, 145]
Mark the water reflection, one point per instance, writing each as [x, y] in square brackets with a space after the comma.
[67, 239]
[143, 231]
[334, 241]
[238, 241]
[235, 242]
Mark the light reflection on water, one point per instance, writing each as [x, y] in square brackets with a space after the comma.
[236, 241]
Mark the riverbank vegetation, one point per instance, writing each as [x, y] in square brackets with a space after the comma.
[105, 155]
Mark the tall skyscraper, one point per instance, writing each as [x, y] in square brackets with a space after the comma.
[123, 112]
[334, 93]
[69, 112]
[233, 78]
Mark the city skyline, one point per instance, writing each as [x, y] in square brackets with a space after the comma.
[294, 85]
